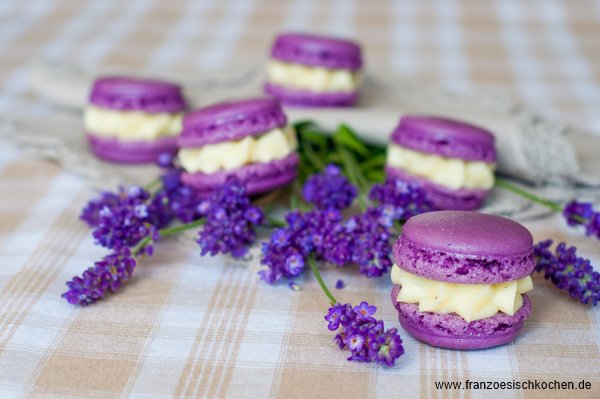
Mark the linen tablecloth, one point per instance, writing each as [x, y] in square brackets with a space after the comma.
[188, 326]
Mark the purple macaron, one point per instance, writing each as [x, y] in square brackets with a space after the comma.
[116, 96]
[463, 248]
[448, 139]
[311, 52]
[232, 122]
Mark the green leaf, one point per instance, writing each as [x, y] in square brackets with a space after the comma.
[313, 136]
[301, 125]
[374, 162]
[344, 136]
[375, 176]
[314, 160]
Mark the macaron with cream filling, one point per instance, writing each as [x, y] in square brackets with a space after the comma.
[460, 279]
[133, 120]
[452, 161]
[249, 139]
[314, 71]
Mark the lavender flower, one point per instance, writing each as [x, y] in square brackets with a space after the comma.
[329, 190]
[286, 252]
[364, 239]
[568, 272]
[363, 335]
[166, 160]
[176, 200]
[229, 221]
[105, 276]
[583, 214]
[406, 200]
[122, 221]
[91, 212]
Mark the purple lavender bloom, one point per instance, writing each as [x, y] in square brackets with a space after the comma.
[105, 276]
[364, 311]
[387, 347]
[364, 239]
[166, 160]
[406, 200]
[583, 214]
[286, 252]
[230, 220]
[125, 222]
[329, 190]
[340, 284]
[294, 286]
[365, 337]
[335, 314]
[91, 212]
[178, 200]
[568, 272]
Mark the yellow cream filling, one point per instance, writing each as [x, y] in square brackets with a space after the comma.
[448, 172]
[469, 301]
[270, 146]
[316, 79]
[131, 125]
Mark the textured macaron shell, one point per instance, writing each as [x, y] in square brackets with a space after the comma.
[317, 50]
[465, 247]
[464, 199]
[230, 121]
[453, 332]
[258, 177]
[305, 98]
[445, 137]
[136, 94]
[130, 152]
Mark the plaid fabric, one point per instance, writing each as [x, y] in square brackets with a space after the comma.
[187, 326]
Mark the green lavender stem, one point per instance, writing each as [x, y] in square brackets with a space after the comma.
[355, 175]
[153, 184]
[505, 184]
[315, 270]
[168, 231]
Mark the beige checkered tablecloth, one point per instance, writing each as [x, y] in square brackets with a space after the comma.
[188, 326]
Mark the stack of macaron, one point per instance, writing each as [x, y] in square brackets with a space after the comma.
[452, 161]
[460, 278]
[133, 120]
[310, 70]
[249, 139]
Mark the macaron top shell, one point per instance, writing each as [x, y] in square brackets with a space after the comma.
[465, 247]
[137, 94]
[468, 233]
[316, 50]
[445, 137]
[230, 121]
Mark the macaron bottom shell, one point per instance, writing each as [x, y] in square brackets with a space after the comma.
[305, 98]
[258, 177]
[130, 152]
[464, 199]
[451, 331]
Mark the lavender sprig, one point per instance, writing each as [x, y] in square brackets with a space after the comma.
[568, 272]
[128, 222]
[107, 275]
[583, 214]
[286, 252]
[403, 199]
[230, 221]
[576, 213]
[358, 331]
[364, 239]
[329, 190]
